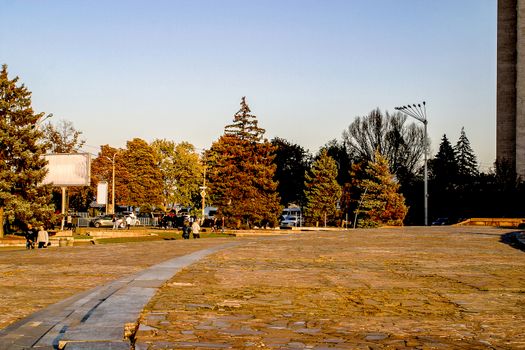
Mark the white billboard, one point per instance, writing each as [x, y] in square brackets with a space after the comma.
[102, 192]
[68, 169]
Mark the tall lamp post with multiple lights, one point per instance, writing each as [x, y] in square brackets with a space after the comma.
[419, 112]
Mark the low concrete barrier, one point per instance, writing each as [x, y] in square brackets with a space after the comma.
[117, 233]
[494, 222]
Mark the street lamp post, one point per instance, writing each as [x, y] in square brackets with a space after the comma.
[203, 188]
[113, 182]
[419, 112]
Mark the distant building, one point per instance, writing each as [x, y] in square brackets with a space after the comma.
[510, 138]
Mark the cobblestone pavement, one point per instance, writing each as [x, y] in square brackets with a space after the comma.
[32, 280]
[423, 288]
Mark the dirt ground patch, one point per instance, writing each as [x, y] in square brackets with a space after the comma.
[426, 288]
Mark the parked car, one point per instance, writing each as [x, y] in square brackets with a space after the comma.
[106, 221]
[290, 221]
[441, 221]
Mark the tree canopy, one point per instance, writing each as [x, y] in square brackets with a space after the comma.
[381, 202]
[182, 172]
[401, 144]
[22, 166]
[465, 158]
[322, 191]
[444, 167]
[144, 182]
[63, 137]
[292, 161]
[241, 174]
[245, 125]
[138, 180]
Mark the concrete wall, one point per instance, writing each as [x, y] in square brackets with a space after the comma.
[520, 91]
[506, 82]
[510, 143]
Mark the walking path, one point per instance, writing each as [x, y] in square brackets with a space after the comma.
[102, 318]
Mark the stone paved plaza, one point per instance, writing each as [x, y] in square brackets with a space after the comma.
[427, 288]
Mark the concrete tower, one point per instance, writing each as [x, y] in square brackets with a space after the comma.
[510, 144]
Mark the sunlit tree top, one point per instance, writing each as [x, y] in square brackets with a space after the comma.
[245, 125]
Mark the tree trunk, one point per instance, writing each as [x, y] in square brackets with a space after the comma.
[1, 222]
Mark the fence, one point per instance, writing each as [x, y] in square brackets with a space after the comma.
[83, 220]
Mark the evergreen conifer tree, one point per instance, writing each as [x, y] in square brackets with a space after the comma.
[322, 191]
[444, 167]
[241, 173]
[22, 166]
[465, 158]
[245, 125]
[382, 204]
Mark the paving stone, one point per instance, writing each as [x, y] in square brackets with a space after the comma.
[97, 346]
[376, 336]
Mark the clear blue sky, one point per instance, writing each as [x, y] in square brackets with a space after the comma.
[177, 69]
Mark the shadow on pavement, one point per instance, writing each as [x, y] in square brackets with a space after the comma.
[514, 239]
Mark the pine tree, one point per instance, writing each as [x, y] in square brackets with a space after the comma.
[322, 191]
[465, 158]
[444, 167]
[241, 173]
[245, 125]
[382, 204]
[22, 166]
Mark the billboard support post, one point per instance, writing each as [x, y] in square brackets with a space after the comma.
[63, 207]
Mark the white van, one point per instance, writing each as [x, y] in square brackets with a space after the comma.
[291, 217]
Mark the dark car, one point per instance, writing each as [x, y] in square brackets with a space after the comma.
[441, 221]
[106, 221]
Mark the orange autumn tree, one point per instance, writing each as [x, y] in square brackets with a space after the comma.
[241, 174]
[381, 201]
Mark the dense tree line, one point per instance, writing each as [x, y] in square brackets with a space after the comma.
[373, 172]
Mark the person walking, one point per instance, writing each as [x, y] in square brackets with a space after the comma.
[30, 237]
[42, 238]
[128, 221]
[195, 228]
[69, 222]
[119, 222]
[114, 220]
